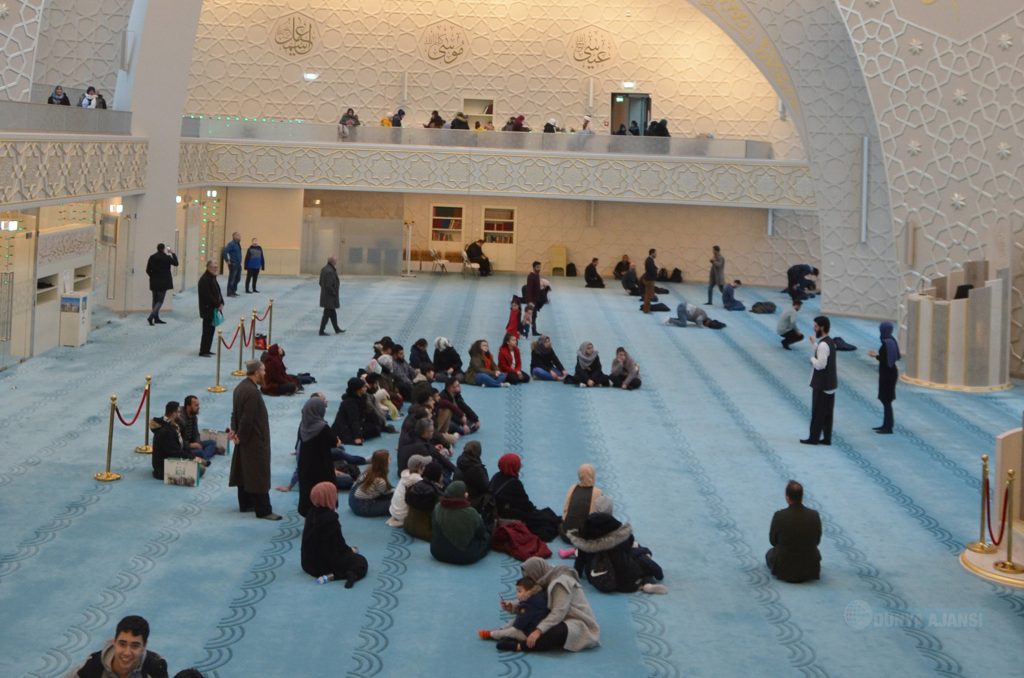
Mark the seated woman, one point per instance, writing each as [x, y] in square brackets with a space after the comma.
[418, 356]
[356, 420]
[470, 469]
[510, 360]
[625, 372]
[399, 508]
[421, 499]
[482, 366]
[371, 496]
[579, 501]
[570, 624]
[458, 533]
[277, 381]
[316, 440]
[324, 551]
[447, 362]
[544, 364]
[588, 367]
[514, 503]
[607, 555]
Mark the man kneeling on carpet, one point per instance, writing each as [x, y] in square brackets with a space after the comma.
[795, 534]
[125, 655]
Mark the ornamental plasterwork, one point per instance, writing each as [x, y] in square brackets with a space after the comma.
[958, 201]
[959, 97]
[916, 46]
[1005, 150]
[914, 147]
[4, 12]
[66, 244]
[1005, 41]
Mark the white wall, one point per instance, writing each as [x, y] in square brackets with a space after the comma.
[274, 217]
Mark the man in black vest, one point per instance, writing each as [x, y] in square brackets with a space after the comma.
[823, 384]
[125, 655]
[158, 268]
[794, 535]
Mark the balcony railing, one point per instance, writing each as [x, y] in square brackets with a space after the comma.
[298, 131]
[16, 116]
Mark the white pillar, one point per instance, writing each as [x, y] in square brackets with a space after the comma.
[154, 89]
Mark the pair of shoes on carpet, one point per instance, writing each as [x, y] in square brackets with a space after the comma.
[390, 429]
[808, 441]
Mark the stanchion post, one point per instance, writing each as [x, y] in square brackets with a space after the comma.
[983, 545]
[252, 339]
[145, 447]
[241, 347]
[107, 476]
[217, 388]
[1008, 566]
[270, 324]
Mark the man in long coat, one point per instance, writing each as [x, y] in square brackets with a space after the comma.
[330, 299]
[250, 430]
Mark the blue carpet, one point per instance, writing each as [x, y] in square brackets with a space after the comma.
[696, 460]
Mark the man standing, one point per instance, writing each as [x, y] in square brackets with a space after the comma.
[824, 382]
[787, 325]
[189, 420]
[650, 276]
[233, 255]
[330, 295]
[254, 263]
[158, 268]
[533, 293]
[210, 300]
[125, 656]
[591, 275]
[250, 430]
[716, 276]
[475, 254]
[794, 535]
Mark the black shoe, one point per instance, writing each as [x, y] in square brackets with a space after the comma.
[150, 319]
[709, 304]
[159, 322]
[248, 292]
[877, 428]
[786, 346]
[205, 355]
[338, 330]
[270, 516]
[390, 429]
[233, 295]
[808, 441]
[825, 442]
[322, 333]
[255, 291]
[508, 645]
[884, 431]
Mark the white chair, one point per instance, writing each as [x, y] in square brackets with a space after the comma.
[437, 261]
[468, 267]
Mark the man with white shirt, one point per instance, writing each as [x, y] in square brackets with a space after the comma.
[823, 384]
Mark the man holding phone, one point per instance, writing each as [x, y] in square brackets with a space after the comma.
[158, 268]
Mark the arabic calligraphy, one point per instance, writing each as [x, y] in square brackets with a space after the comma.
[444, 42]
[591, 47]
[295, 34]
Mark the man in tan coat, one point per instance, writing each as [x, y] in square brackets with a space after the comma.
[250, 430]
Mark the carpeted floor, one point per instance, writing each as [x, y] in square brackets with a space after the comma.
[696, 460]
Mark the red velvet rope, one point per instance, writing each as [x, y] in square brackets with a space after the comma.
[233, 337]
[248, 340]
[1002, 519]
[117, 410]
[263, 317]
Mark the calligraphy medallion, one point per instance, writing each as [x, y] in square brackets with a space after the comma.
[295, 35]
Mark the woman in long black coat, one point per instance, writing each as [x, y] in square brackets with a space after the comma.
[888, 374]
[324, 551]
[315, 442]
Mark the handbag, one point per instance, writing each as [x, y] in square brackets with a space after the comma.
[218, 317]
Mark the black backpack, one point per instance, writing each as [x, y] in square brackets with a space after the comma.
[570, 270]
[763, 307]
[601, 572]
[662, 275]
[677, 276]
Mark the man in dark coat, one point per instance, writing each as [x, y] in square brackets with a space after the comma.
[795, 534]
[475, 254]
[210, 300]
[250, 430]
[591, 275]
[650, 276]
[158, 268]
[824, 381]
[330, 299]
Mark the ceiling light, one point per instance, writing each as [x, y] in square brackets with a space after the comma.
[309, 76]
[629, 84]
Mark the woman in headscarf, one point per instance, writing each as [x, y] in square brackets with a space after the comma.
[544, 364]
[518, 124]
[888, 374]
[277, 381]
[350, 119]
[446, 359]
[470, 469]
[458, 534]
[514, 503]
[625, 372]
[325, 555]
[59, 97]
[315, 443]
[570, 624]
[588, 367]
[579, 501]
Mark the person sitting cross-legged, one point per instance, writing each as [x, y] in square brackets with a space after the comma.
[794, 535]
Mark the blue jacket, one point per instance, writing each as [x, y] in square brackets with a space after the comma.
[531, 612]
[232, 253]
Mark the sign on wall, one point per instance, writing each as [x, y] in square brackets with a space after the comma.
[444, 43]
[295, 35]
[592, 49]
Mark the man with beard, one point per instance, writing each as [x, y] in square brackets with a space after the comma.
[824, 382]
[250, 430]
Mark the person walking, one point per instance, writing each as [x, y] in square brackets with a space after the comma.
[824, 382]
[210, 301]
[250, 431]
[254, 263]
[330, 299]
[232, 253]
[888, 374]
[650, 276]
[716, 276]
[158, 268]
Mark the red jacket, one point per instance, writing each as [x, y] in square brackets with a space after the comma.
[514, 538]
[509, 359]
[276, 374]
[513, 322]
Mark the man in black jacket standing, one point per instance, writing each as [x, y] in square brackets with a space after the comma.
[210, 300]
[795, 534]
[824, 382]
[330, 299]
[158, 268]
[650, 276]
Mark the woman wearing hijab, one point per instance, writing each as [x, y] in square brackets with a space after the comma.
[544, 364]
[517, 124]
[570, 624]
[458, 535]
[588, 367]
[59, 97]
[446, 359]
[325, 555]
[579, 501]
[315, 443]
[514, 503]
[625, 372]
[350, 119]
[888, 374]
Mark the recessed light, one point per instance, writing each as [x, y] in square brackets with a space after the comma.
[310, 76]
[629, 84]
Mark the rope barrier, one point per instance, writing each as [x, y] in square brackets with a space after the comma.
[233, 337]
[265, 313]
[117, 410]
[252, 331]
[1002, 520]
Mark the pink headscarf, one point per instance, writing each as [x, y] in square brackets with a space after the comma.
[324, 495]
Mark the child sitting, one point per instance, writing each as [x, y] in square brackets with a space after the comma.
[527, 321]
[530, 609]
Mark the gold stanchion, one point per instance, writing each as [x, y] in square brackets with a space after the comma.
[107, 476]
[145, 447]
[217, 388]
[252, 339]
[241, 347]
[983, 545]
[1008, 566]
[270, 324]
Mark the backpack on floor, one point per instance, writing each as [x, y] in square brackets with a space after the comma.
[662, 275]
[762, 307]
[570, 270]
[715, 324]
[676, 277]
[601, 572]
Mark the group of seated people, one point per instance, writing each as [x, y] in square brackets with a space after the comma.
[176, 435]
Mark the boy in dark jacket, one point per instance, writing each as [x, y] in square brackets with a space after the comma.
[530, 608]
